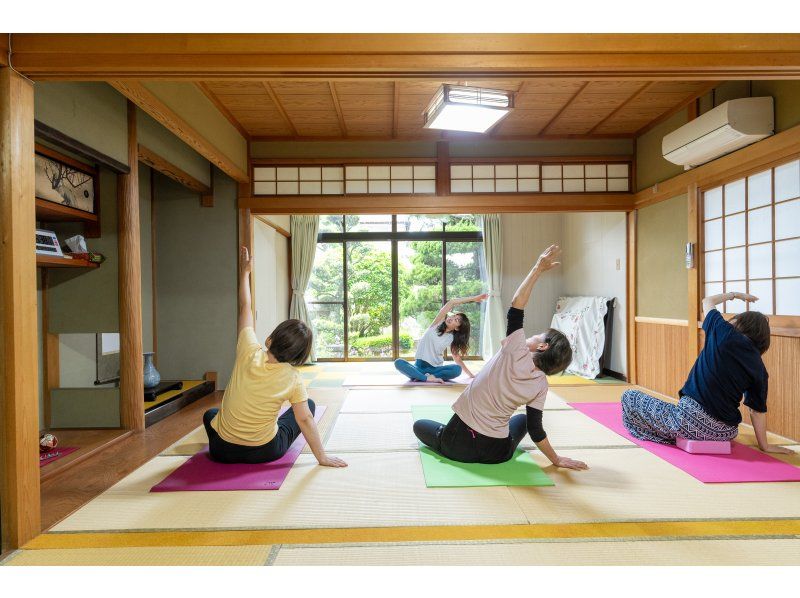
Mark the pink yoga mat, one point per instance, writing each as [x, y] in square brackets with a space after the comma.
[55, 454]
[201, 473]
[744, 464]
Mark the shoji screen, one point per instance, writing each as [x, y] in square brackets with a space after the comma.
[751, 234]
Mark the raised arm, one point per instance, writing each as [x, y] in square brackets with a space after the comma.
[448, 307]
[548, 260]
[711, 302]
[245, 302]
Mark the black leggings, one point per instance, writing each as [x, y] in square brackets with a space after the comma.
[459, 442]
[228, 452]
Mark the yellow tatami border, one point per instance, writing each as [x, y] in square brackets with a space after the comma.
[695, 529]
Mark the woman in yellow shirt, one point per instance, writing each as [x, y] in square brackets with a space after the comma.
[246, 428]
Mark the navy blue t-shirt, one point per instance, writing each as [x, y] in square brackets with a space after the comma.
[728, 366]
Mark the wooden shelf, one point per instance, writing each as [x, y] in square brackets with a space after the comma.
[51, 261]
[48, 211]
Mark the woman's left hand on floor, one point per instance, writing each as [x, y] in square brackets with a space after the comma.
[332, 462]
[568, 463]
[776, 448]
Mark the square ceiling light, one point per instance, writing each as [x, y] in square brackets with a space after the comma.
[473, 109]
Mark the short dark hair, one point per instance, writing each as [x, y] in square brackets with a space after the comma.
[291, 342]
[755, 326]
[557, 356]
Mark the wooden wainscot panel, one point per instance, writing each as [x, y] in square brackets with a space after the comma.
[783, 402]
[661, 354]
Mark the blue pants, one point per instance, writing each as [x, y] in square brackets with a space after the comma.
[420, 368]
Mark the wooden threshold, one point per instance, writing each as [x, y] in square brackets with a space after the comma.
[62, 495]
[90, 442]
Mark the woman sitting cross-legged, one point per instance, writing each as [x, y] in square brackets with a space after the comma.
[728, 367]
[246, 428]
[446, 331]
[484, 428]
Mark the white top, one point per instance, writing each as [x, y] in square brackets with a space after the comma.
[431, 346]
[509, 380]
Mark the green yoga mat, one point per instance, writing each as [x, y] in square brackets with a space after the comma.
[441, 472]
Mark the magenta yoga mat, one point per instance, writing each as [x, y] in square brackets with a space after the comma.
[200, 473]
[743, 464]
[55, 454]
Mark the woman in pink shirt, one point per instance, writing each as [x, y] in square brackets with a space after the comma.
[484, 428]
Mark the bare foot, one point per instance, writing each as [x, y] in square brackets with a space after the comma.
[432, 378]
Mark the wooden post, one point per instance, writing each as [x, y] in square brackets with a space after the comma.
[131, 364]
[19, 379]
[631, 275]
[442, 168]
[692, 339]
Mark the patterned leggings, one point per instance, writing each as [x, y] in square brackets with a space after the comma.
[649, 418]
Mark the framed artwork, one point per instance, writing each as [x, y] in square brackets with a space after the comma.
[64, 181]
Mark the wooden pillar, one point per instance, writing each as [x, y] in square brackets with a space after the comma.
[693, 311]
[131, 364]
[631, 276]
[19, 375]
[442, 168]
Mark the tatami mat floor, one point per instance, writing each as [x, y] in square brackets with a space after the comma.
[379, 511]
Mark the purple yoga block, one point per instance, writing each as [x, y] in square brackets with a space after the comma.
[704, 447]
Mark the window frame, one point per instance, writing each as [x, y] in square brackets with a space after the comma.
[780, 325]
[394, 236]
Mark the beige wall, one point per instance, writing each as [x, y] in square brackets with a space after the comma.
[191, 104]
[154, 136]
[92, 113]
[271, 275]
[594, 264]
[525, 236]
[662, 284]
[651, 167]
[196, 280]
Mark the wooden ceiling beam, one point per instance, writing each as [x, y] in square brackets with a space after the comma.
[672, 111]
[274, 97]
[435, 137]
[162, 165]
[391, 56]
[395, 109]
[223, 109]
[616, 110]
[338, 106]
[447, 204]
[550, 123]
[147, 101]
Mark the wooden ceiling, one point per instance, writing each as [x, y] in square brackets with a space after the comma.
[351, 109]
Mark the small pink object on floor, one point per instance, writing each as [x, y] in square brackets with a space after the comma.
[704, 447]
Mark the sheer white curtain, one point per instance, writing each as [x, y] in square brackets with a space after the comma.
[304, 246]
[493, 325]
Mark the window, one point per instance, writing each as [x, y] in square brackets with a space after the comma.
[379, 280]
[751, 240]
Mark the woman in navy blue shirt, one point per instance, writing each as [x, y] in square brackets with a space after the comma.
[728, 367]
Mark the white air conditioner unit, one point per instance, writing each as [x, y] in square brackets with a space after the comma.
[722, 130]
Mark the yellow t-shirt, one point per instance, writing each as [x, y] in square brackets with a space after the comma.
[249, 412]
